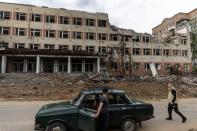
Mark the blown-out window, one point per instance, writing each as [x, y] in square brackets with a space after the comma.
[20, 31]
[21, 16]
[36, 17]
[36, 32]
[5, 15]
[64, 20]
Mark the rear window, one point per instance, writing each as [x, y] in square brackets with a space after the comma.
[116, 99]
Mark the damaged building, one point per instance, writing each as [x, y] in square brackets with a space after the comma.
[41, 39]
[178, 30]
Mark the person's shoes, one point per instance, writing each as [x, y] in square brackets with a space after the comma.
[184, 120]
[168, 118]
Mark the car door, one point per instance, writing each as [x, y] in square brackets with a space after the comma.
[86, 120]
[117, 109]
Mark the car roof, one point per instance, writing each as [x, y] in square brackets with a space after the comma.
[99, 90]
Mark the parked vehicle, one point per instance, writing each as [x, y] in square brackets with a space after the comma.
[77, 114]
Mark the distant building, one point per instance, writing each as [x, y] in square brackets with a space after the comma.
[182, 25]
[41, 39]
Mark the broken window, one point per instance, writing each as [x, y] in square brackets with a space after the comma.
[177, 66]
[103, 50]
[137, 39]
[36, 32]
[50, 19]
[4, 30]
[89, 65]
[90, 22]
[49, 46]
[4, 45]
[113, 37]
[20, 31]
[36, 17]
[167, 66]
[147, 51]
[77, 35]
[63, 67]
[158, 66]
[5, 15]
[77, 21]
[90, 49]
[64, 34]
[76, 65]
[166, 52]
[50, 33]
[184, 53]
[126, 51]
[186, 67]
[31, 67]
[21, 16]
[126, 66]
[77, 47]
[176, 53]
[102, 36]
[17, 65]
[146, 66]
[146, 39]
[63, 47]
[114, 66]
[136, 51]
[90, 36]
[183, 41]
[136, 66]
[127, 38]
[157, 52]
[34, 46]
[102, 23]
[19, 45]
[64, 20]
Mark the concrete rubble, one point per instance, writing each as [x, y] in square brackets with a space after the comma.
[58, 86]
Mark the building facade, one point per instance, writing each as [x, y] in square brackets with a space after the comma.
[42, 39]
[181, 27]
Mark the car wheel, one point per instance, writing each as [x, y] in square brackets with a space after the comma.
[128, 125]
[57, 126]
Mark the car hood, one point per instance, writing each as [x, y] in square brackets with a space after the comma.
[56, 107]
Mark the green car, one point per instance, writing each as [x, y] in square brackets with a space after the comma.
[78, 114]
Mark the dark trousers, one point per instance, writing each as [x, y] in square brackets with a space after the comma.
[103, 121]
[175, 107]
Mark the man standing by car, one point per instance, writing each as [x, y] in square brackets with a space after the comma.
[172, 97]
[102, 111]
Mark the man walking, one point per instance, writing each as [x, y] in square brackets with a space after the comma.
[172, 97]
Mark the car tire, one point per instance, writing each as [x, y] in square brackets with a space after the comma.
[56, 126]
[128, 125]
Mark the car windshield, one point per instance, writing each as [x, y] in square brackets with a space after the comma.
[76, 99]
[129, 99]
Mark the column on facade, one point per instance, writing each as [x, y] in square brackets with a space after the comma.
[3, 64]
[25, 65]
[69, 65]
[37, 64]
[98, 65]
[83, 65]
[56, 66]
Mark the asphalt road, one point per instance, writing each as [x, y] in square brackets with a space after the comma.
[19, 116]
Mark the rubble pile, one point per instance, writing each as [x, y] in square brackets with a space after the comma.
[51, 86]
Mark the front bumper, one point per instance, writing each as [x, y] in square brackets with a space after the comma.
[38, 127]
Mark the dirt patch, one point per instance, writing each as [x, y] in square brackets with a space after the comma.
[63, 86]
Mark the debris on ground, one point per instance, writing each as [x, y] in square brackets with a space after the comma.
[58, 86]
